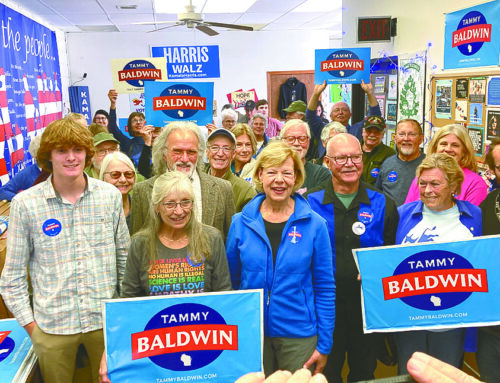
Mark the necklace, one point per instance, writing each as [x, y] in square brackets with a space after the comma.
[183, 238]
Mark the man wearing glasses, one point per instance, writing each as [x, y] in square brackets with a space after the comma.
[180, 147]
[374, 151]
[397, 172]
[220, 152]
[340, 112]
[104, 143]
[296, 133]
[357, 216]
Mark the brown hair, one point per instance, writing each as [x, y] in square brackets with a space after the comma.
[63, 134]
[130, 118]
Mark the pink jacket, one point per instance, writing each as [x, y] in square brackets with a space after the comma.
[474, 189]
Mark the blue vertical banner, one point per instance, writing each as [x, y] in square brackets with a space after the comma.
[79, 99]
[190, 61]
[175, 101]
[472, 37]
[342, 66]
[30, 87]
[430, 285]
[215, 337]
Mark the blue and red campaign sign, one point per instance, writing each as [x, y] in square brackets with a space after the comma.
[16, 352]
[430, 285]
[342, 66]
[203, 337]
[175, 101]
[199, 61]
[472, 37]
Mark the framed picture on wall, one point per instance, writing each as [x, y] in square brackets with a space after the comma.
[390, 133]
[392, 110]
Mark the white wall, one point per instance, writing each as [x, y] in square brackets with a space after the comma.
[245, 57]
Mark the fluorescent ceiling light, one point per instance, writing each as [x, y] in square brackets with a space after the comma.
[319, 6]
[212, 6]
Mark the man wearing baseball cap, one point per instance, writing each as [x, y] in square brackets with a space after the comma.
[374, 151]
[104, 143]
[249, 112]
[221, 144]
[296, 110]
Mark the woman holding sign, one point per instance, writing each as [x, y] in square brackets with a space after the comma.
[278, 244]
[454, 141]
[174, 243]
[437, 217]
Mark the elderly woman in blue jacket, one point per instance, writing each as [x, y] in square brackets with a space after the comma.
[278, 244]
[437, 217]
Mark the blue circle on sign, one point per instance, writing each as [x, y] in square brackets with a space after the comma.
[52, 227]
[392, 176]
[7, 346]
[374, 172]
[469, 49]
[365, 215]
[337, 55]
[198, 358]
[138, 64]
[180, 90]
[428, 260]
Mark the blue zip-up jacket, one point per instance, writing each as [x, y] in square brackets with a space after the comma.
[21, 181]
[299, 291]
[410, 215]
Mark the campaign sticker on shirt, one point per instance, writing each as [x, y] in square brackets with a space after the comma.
[358, 228]
[392, 176]
[192, 263]
[365, 215]
[374, 172]
[52, 227]
[294, 235]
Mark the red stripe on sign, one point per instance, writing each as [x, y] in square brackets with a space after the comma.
[168, 340]
[472, 34]
[139, 74]
[179, 102]
[342, 64]
[435, 281]
[3, 335]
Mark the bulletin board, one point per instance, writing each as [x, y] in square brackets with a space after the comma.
[469, 99]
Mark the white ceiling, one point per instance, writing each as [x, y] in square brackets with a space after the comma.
[105, 15]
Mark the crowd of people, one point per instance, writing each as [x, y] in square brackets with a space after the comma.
[247, 203]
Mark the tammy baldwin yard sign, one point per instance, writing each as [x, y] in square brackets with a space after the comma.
[430, 285]
[176, 101]
[214, 337]
[342, 66]
[129, 75]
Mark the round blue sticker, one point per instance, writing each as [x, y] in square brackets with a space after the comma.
[374, 172]
[294, 235]
[52, 227]
[392, 176]
[365, 215]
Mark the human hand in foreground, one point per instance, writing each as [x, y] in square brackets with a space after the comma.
[426, 369]
[103, 370]
[300, 376]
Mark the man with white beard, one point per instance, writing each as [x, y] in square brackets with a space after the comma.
[180, 147]
[397, 172]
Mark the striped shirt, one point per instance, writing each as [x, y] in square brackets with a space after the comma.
[76, 255]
